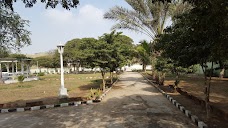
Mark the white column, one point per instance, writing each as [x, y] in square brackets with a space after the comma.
[7, 67]
[0, 71]
[27, 70]
[22, 67]
[13, 73]
[16, 67]
[37, 64]
[13, 68]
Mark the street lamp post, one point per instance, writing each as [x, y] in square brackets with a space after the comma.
[63, 90]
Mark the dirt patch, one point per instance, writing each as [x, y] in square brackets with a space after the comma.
[194, 86]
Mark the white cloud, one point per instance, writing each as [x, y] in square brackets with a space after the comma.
[90, 14]
[59, 16]
[86, 16]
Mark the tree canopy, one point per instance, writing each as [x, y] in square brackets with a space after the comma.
[146, 16]
[144, 53]
[13, 34]
[198, 37]
[67, 4]
[109, 52]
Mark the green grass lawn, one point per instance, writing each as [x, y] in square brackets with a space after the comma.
[47, 88]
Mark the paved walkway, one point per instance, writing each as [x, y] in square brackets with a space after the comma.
[132, 103]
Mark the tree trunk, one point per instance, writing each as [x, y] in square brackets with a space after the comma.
[177, 80]
[207, 100]
[94, 72]
[111, 77]
[221, 74]
[77, 69]
[207, 88]
[162, 78]
[103, 80]
[144, 67]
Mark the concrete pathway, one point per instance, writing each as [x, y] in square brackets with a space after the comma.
[132, 103]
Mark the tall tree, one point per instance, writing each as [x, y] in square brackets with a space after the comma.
[121, 48]
[79, 52]
[147, 17]
[13, 34]
[102, 56]
[72, 53]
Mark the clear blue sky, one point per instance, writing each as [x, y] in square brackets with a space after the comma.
[49, 27]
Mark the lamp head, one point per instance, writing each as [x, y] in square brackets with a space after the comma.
[60, 48]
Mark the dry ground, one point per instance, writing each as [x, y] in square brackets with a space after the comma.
[194, 85]
[47, 89]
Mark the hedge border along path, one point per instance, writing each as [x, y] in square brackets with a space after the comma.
[23, 109]
[194, 118]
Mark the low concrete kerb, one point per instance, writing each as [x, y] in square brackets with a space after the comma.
[194, 118]
[76, 103]
[42, 107]
[105, 93]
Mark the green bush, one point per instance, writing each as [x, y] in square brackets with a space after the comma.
[20, 78]
[41, 74]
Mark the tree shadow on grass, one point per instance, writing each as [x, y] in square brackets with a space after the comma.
[95, 84]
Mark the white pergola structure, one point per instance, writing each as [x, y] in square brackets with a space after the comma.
[14, 63]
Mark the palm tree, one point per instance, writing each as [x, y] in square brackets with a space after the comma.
[144, 53]
[146, 16]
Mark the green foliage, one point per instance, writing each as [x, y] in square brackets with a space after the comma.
[29, 3]
[20, 78]
[41, 74]
[18, 56]
[12, 28]
[120, 47]
[198, 36]
[146, 16]
[45, 61]
[79, 52]
[164, 65]
[109, 52]
[4, 52]
[144, 53]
